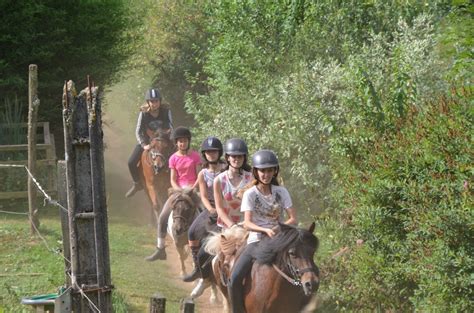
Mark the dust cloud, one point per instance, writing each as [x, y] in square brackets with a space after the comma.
[120, 111]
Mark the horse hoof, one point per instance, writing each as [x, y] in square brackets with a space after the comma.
[200, 287]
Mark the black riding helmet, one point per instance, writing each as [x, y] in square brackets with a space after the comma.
[181, 132]
[264, 159]
[209, 144]
[152, 94]
[236, 146]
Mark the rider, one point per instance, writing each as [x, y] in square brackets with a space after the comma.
[263, 206]
[183, 165]
[229, 184]
[211, 152]
[151, 114]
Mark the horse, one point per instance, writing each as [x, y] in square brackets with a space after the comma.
[185, 204]
[154, 173]
[283, 277]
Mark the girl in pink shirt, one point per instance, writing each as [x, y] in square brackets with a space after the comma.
[184, 167]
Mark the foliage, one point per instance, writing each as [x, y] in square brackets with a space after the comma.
[67, 40]
[341, 96]
[413, 212]
[10, 118]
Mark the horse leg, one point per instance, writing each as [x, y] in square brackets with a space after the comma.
[213, 298]
[182, 257]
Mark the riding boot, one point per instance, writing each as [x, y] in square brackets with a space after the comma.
[136, 187]
[196, 273]
[159, 254]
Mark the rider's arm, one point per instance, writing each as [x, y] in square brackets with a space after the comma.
[140, 131]
[174, 179]
[203, 192]
[291, 216]
[220, 204]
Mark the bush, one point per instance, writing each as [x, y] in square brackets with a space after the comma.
[413, 212]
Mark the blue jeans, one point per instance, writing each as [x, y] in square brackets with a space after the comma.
[241, 268]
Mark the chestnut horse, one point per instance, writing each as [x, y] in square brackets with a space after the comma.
[283, 277]
[153, 168]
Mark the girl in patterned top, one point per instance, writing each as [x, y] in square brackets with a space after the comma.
[229, 185]
[264, 206]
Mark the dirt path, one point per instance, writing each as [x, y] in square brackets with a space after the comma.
[202, 304]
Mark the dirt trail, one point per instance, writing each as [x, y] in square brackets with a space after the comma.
[119, 137]
[202, 304]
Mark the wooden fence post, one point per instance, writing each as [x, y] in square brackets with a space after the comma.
[33, 104]
[62, 199]
[157, 303]
[88, 233]
[187, 305]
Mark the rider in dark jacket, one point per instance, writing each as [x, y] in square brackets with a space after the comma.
[153, 115]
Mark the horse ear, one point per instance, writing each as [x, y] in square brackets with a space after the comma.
[312, 227]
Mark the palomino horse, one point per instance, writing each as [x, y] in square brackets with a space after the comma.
[153, 169]
[283, 276]
[185, 204]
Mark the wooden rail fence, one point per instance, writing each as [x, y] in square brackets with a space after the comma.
[46, 158]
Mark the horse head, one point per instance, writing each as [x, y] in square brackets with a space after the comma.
[160, 146]
[185, 206]
[291, 254]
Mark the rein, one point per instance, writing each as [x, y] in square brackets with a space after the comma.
[295, 272]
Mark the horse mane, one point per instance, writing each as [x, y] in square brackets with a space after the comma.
[187, 194]
[271, 249]
[212, 244]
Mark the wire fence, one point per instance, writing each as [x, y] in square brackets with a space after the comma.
[48, 200]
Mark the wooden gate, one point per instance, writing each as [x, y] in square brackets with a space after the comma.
[14, 180]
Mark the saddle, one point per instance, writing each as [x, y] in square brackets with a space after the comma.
[231, 246]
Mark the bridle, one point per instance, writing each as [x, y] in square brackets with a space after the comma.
[154, 154]
[295, 273]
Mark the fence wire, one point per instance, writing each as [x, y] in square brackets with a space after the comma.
[50, 200]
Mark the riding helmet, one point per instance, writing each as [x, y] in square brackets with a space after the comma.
[236, 146]
[211, 143]
[181, 132]
[264, 159]
[152, 94]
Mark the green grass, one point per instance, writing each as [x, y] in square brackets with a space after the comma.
[28, 268]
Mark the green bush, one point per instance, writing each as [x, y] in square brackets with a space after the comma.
[414, 213]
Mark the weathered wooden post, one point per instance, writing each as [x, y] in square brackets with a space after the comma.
[157, 303]
[187, 305]
[62, 199]
[33, 104]
[86, 199]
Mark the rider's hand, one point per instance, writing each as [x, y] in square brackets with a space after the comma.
[147, 147]
[270, 232]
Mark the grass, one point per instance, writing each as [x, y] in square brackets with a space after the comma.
[28, 268]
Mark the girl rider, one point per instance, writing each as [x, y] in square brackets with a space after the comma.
[151, 114]
[211, 153]
[183, 165]
[229, 184]
[263, 207]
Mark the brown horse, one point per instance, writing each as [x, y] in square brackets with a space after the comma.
[185, 205]
[154, 171]
[283, 276]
